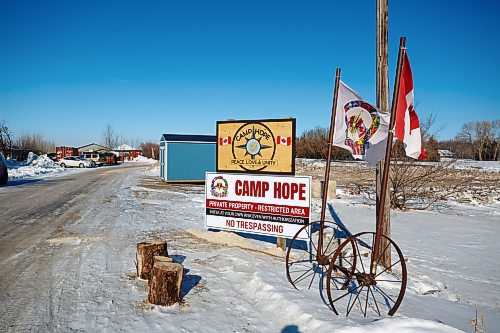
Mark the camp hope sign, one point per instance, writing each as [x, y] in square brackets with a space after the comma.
[267, 205]
[256, 146]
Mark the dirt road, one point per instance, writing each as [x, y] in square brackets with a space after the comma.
[47, 228]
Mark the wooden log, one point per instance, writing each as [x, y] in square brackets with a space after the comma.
[165, 283]
[145, 256]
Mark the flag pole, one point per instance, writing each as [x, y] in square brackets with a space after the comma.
[387, 160]
[327, 169]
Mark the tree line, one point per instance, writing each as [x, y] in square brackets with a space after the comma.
[478, 140]
[19, 147]
[25, 143]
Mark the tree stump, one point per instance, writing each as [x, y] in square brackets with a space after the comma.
[165, 283]
[145, 257]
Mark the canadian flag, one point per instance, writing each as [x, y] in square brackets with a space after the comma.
[226, 140]
[284, 140]
[407, 127]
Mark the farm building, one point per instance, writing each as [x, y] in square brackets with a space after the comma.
[92, 148]
[186, 158]
[125, 152]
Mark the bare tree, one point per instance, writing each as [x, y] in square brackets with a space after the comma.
[5, 138]
[135, 143]
[414, 181]
[36, 143]
[109, 137]
[496, 140]
[427, 128]
[127, 141]
[423, 184]
[150, 150]
[483, 137]
[314, 144]
[482, 131]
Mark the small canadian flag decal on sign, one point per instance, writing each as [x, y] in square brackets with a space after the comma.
[284, 140]
[226, 140]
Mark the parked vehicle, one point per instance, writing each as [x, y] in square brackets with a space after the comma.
[75, 161]
[111, 158]
[4, 174]
[98, 159]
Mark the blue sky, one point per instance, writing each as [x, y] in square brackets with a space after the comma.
[68, 68]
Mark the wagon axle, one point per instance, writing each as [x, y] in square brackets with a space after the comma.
[365, 279]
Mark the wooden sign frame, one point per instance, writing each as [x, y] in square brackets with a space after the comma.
[264, 146]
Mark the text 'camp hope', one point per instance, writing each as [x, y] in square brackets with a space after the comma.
[280, 190]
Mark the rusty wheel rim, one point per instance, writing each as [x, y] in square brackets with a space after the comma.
[354, 287]
[303, 265]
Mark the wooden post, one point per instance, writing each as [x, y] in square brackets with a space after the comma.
[165, 283]
[281, 243]
[327, 168]
[382, 61]
[376, 259]
[145, 257]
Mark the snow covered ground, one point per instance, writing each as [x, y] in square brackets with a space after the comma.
[493, 166]
[451, 266]
[238, 284]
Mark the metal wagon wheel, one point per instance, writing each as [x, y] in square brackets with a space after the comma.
[303, 260]
[376, 288]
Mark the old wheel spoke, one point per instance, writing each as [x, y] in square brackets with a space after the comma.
[382, 298]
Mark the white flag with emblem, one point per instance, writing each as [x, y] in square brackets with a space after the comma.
[360, 127]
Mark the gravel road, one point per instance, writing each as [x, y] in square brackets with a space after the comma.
[47, 228]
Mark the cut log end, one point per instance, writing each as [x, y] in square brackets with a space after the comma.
[165, 283]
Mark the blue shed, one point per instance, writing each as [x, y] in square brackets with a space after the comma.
[186, 158]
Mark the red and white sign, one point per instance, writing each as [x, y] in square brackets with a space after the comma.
[225, 140]
[284, 140]
[267, 205]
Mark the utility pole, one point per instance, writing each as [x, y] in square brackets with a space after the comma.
[382, 63]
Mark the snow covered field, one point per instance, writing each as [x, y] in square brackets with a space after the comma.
[236, 284]
[451, 265]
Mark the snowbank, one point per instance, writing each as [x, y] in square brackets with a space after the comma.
[33, 166]
[143, 159]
